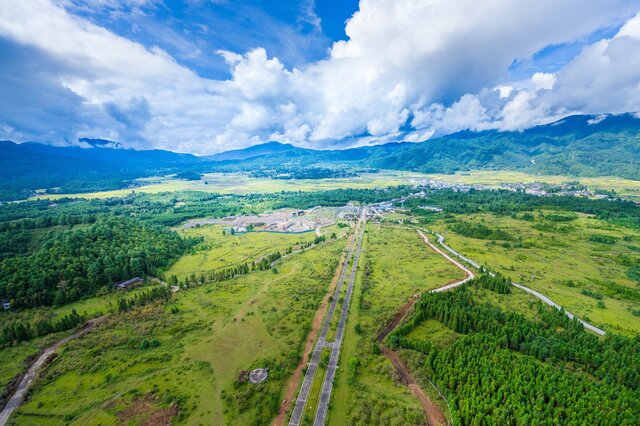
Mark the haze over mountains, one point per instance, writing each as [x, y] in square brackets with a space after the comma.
[583, 145]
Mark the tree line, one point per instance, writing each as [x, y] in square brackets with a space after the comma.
[76, 262]
[18, 331]
[157, 293]
[514, 370]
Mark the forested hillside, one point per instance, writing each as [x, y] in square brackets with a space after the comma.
[578, 145]
[29, 166]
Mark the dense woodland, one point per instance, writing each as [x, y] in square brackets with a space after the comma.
[77, 261]
[507, 369]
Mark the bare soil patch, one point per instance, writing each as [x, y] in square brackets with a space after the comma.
[147, 411]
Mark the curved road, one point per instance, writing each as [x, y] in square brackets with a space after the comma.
[531, 291]
[30, 375]
[431, 410]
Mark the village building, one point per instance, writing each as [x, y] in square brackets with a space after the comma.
[129, 283]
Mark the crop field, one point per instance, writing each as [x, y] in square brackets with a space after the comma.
[625, 187]
[582, 264]
[395, 265]
[238, 183]
[190, 352]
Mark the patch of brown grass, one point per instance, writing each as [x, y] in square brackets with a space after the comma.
[146, 411]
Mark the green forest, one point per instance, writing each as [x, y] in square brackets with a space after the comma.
[76, 262]
[507, 369]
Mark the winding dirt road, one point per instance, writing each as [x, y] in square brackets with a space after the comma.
[18, 396]
[531, 291]
[431, 410]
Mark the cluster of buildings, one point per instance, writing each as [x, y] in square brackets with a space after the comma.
[533, 188]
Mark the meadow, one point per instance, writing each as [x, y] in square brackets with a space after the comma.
[220, 249]
[239, 183]
[196, 346]
[13, 359]
[395, 265]
[562, 259]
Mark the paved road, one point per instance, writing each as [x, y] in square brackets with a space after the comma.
[535, 293]
[470, 275]
[327, 386]
[28, 378]
[298, 410]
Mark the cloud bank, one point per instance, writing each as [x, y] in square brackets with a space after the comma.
[409, 70]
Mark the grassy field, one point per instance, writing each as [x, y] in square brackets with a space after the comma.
[395, 265]
[195, 349]
[560, 260]
[222, 251]
[439, 334]
[238, 183]
[624, 187]
[13, 358]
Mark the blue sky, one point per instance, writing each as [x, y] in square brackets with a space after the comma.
[297, 32]
[204, 76]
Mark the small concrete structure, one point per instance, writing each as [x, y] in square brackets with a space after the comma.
[129, 283]
[258, 375]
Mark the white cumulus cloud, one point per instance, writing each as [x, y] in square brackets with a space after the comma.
[409, 69]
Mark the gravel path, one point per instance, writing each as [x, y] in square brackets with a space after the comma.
[30, 375]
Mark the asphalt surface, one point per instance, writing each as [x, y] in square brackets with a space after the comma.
[298, 410]
[531, 291]
[327, 386]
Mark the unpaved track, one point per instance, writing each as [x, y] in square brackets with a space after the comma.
[308, 347]
[432, 411]
[31, 373]
[531, 291]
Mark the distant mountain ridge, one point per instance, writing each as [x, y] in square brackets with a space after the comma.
[268, 148]
[581, 145]
[30, 166]
[100, 143]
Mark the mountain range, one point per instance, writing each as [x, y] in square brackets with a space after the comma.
[580, 145]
